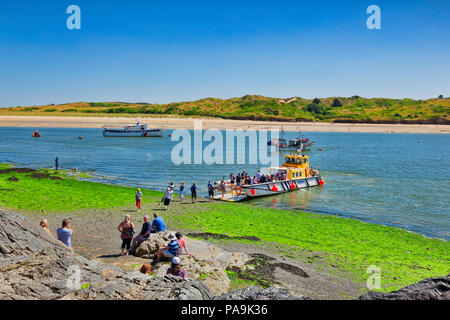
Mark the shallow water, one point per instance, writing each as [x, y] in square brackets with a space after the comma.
[400, 180]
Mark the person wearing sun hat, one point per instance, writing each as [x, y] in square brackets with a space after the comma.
[175, 268]
[170, 250]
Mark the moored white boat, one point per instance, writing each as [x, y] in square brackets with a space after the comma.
[137, 130]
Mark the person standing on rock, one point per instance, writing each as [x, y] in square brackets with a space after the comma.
[138, 199]
[142, 236]
[175, 268]
[126, 229]
[64, 233]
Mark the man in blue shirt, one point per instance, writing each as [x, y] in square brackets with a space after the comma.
[143, 235]
[210, 192]
[158, 224]
[193, 192]
[65, 232]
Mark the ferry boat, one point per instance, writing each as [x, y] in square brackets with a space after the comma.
[137, 130]
[297, 175]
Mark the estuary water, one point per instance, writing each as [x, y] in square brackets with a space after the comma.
[400, 180]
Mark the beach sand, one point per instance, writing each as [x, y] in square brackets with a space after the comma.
[220, 124]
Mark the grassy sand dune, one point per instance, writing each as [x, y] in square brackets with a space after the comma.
[353, 109]
[342, 246]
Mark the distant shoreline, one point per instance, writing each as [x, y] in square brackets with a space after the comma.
[221, 124]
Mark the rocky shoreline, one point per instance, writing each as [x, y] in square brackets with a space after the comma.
[33, 265]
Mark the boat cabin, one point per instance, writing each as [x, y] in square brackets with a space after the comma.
[297, 166]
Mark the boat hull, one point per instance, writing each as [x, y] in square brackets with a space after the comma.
[133, 133]
[277, 187]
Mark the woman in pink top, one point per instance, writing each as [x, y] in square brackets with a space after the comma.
[138, 199]
[181, 242]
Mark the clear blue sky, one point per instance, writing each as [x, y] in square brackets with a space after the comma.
[165, 51]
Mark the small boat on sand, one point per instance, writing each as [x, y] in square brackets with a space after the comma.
[293, 175]
[137, 130]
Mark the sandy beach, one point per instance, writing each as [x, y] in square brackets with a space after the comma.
[188, 123]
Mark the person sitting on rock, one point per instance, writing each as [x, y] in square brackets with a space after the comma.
[175, 269]
[146, 268]
[170, 250]
[44, 225]
[181, 242]
[64, 233]
[158, 224]
[142, 236]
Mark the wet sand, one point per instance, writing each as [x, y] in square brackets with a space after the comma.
[220, 124]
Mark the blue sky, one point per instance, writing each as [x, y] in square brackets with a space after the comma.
[165, 51]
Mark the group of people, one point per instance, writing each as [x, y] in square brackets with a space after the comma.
[244, 178]
[172, 250]
[168, 194]
[236, 181]
[127, 232]
[64, 233]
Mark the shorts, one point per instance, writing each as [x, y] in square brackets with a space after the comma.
[166, 201]
[211, 193]
[167, 254]
[181, 194]
[194, 194]
[126, 243]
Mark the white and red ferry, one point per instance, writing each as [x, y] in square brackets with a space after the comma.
[137, 130]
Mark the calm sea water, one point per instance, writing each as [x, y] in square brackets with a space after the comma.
[399, 180]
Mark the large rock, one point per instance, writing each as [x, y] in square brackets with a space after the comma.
[34, 265]
[206, 262]
[428, 289]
